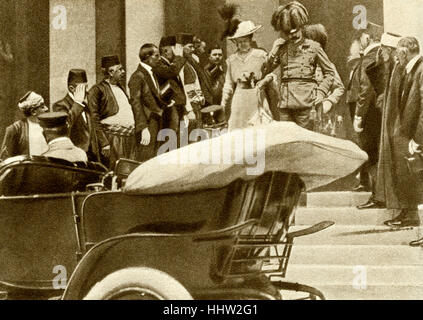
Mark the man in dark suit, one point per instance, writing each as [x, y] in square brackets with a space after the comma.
[75, 104]
[25, 137]
[368, 118]
[112, 114]
[146, 102]
[167, 72]
[408, 132]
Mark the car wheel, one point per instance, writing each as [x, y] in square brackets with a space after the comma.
[138, 284]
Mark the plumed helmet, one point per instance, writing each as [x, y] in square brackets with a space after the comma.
[318, 33]
[290, 17]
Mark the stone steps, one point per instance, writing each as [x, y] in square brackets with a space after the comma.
[358, 258]
[358, 235]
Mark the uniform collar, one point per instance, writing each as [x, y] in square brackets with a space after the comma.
[60, 139]
[411, 64]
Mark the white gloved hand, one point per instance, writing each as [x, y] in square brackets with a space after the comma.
[327, 106]
[357, 124]
[145, 137]
[413, 147]
[276, 46]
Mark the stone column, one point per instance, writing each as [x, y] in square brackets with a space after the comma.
[72, 42]
[144, 24]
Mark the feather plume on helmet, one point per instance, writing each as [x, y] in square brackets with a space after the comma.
[227, 13]
[292, 16]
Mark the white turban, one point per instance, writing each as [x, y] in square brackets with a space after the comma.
[30, 100]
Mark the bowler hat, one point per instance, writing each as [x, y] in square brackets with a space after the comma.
[53, 119]
[77, 76]
[109, 61]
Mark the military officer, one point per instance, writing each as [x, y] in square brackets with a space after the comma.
[56, 131]
[298, 58]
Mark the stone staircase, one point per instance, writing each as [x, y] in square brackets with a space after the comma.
[358, 257]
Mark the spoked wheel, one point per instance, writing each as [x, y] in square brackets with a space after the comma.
[138, 284]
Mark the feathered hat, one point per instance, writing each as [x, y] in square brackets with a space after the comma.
[318, 33]
[235, 28]
[290, 17]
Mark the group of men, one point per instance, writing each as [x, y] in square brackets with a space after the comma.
[167, 90]
[385, 94]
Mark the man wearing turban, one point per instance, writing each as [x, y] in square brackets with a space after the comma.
[25, 137]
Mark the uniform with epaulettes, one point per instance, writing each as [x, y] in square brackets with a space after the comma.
[299, 90]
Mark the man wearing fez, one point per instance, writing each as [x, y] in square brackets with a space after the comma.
[25, 137]
[75, 104]
[167, 73]
[298, 59]
[112, 113]
[147, 103]
[56, 132]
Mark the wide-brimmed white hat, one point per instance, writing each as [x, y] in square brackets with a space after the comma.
[245, 28]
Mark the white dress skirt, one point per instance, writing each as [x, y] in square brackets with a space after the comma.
[244, 106]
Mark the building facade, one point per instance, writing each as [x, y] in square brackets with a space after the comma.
[42, 39]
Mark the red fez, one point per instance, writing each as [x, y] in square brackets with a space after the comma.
[77, 76]
[109, 61]
[167, 41]
[185, 38]
[53, 119]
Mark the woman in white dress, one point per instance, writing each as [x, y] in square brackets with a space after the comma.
[240, 93]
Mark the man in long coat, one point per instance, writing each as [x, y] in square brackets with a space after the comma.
[404, 105]
[385, 76]
[379, 73]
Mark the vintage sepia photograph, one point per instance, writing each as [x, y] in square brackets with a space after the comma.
[211, 150]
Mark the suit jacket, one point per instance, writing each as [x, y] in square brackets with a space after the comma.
[16, 141]
[169, 72]
[216, 73]
[366, 93]
[410, 105]
[353, 85]
[145, 100]
[66, 150]
[102, 104]
[82, 133]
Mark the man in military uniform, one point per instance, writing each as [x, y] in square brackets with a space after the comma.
[298, 58]
[56, 131]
